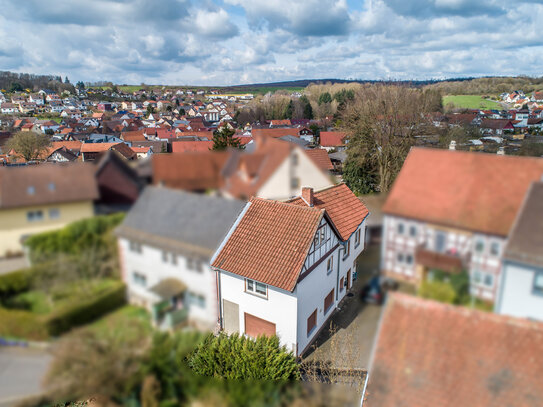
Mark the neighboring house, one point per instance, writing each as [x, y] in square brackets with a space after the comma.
[432, 354]
[35, 199]
[8, 108]
[285, 266]
[320, 157]
[452, 211]
[521, 287]
[332, 140]
[165, 243]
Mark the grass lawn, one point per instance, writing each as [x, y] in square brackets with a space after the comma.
[470, 102]
[122, 319]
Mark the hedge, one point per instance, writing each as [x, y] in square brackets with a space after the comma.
[14, 283]
[22, 324]
[86, 311]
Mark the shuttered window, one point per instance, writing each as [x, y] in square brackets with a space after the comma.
[328, 301]
[311, 322]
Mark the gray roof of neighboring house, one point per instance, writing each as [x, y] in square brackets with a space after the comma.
[179, 220]
[296, 140]
[526, 238]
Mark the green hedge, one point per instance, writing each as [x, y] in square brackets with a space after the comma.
[437, 290]
[74, 238]
[14, 283]
[22, 324]
[86, 311]
[241, 358]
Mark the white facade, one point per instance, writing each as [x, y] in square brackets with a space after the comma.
[521, 291]
[144, 268]
[481, 253]
[325, 269]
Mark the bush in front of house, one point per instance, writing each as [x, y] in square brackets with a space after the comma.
[242, 358]
[14, 283]
[85, 311]
[22, 324]
[437, 290]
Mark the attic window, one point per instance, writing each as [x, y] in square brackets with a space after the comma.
[31, 190]
[52, 186]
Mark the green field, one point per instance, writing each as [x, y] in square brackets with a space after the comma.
[470, 102]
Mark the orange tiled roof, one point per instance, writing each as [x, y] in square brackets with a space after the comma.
[96, 147]
[342, 206]
[472, 191]
[191, 146]
[320, 157]
[433, 354]
[332, 138]
[270, 242]
[136, 135]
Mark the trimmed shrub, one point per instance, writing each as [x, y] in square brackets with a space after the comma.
[14, 283]
[22, 324]
[437, 290]
[86, 311]
[241, 358]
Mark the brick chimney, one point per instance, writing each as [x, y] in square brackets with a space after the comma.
[307, 195]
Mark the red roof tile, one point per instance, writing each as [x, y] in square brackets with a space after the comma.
[320, 157]
[191, 146]
[472, 191]
[332, 138]
[430, 354]
[342, 206]
[270, 243]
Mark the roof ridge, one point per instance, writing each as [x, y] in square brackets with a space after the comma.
[287, 203]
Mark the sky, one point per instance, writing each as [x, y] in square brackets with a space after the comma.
[228, 42]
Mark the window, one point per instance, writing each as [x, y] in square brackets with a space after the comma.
[52, 186]
[409, 259]
[31, 190]
[294, 182]
[489, 280]
[190, 263]
[330, 265]
[495, 248]
[134, 246]
[477, 277]
[357, 238]
[294, 159]
[139, 279]
[54, 213]
[347, 249]
[311, 322]
[400, 257]
[34, 216]
[256, 288]
[400, 228]
[479, 246]
[341, 283]
[538, 283]
[413, 231]
[164, 256]
[196, 299]
[320, 237]
[441, 240]
[328, 301]
[174, 259]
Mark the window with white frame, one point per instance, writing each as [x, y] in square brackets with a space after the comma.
[413, 231]
[401, 228]
[54, 213]
[134, 246]
[330, 265]
[409, 259]
[495, 248]
[479, 246]
[357, 238]
[34, 216]
[139, 279]
[538, 283]
[400, 257]
[347, 249]
[255, 287]
[164, 256]
[488, 280]
[320, 237]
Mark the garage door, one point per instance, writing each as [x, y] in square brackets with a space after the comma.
[255, 326]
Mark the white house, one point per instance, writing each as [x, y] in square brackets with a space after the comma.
[165, 243]
[452, 211]
[521, 288]
[285, 266]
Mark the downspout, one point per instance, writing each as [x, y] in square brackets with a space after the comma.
[341, 247]
[218, 280]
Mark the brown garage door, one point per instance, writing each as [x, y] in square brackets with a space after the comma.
[255, 326]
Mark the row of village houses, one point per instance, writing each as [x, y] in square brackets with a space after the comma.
[264, 241]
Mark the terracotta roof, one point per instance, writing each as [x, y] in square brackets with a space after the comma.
[285, 122]
[191, 146]
[342, 206]
[332, 138]
[47, 184]
[270, 242]
[190, 171]
[276, 133]
[136, 135]
[473, 191]
[430, 354]
[124, 151]
[497, 124]
[73, 145]
[320, 157]
[96, 147]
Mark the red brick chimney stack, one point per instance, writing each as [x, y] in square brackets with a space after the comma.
[307, 195]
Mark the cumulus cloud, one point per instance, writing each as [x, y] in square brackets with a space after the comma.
[221, 42]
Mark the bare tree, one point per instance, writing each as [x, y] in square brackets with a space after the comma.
[28, 144]
[381, 124]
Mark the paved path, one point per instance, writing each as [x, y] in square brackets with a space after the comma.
[9, 265]
[21, 373]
